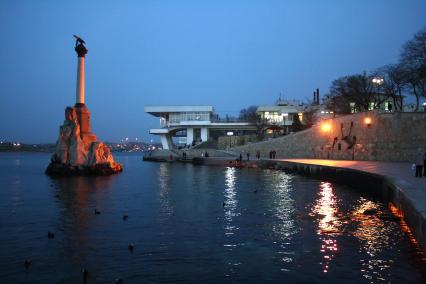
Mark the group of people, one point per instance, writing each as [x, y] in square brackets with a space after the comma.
[420, 163]
[272, 154]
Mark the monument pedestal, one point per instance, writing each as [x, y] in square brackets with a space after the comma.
[79, 152]
[83, 117]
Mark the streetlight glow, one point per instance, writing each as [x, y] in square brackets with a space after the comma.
[326, 127]
[377, 80]
[367, 121]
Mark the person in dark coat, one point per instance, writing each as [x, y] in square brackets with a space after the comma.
[424, 165]
[419, 161]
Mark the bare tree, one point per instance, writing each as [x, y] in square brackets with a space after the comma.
[413, 61]
[358, 89]
[394, 82]
[249, 114]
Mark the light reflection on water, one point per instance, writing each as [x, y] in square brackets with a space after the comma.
[230, 201]
[195, 224]
[283, 209]
[166, 209]
[329, 223]
[374, 237]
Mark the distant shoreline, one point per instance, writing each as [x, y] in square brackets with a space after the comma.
[50, 147]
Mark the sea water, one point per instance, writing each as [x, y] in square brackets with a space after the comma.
[195, 224]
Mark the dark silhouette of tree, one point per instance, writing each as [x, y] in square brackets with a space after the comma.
[394, 82]
[297, 125]
[249, 114]
[413, 62]
[358, 89]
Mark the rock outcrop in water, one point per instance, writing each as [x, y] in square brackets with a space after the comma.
[78, 152]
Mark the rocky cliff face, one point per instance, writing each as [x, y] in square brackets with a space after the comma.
[80, 153]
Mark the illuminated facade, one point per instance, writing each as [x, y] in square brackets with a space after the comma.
[281, 115]
[192, 124]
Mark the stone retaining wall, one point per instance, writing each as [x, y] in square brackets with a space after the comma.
[390, 137]
[223, 142]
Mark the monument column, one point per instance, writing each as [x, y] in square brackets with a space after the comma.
[83, 114]
[80, 81]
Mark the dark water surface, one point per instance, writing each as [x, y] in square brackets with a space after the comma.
[194, 224]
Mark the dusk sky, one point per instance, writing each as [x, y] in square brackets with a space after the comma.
[228, 54]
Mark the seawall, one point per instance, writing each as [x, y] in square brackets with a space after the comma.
[380, 180]
[388, 137]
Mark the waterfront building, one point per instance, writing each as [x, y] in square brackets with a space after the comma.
[192, 124]
[280, 117]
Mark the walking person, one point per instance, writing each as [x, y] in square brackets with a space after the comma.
[424, 165]
[248, 156]
[419, 161]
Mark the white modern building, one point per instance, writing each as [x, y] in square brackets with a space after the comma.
[192, 124]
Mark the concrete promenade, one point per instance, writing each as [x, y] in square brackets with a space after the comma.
[407, 192]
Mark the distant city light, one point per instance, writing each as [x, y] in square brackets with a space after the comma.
[229, 133]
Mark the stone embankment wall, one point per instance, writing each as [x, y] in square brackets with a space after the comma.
[190, 153]
[224, 142]
[389, 137]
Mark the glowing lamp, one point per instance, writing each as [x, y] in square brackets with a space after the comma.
[326, 127]
[367, 121]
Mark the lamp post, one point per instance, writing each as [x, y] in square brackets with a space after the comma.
[326, 129]
[377, 81]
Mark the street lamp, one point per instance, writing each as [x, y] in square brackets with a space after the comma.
[377, 81]
[326, 129]
[367, 121]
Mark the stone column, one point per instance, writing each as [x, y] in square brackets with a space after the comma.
[79, 99]
[81, 54]
[83, 113]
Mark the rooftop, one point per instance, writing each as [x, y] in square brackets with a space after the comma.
[158, 110]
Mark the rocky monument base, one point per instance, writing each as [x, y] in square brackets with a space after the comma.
[78, 152]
